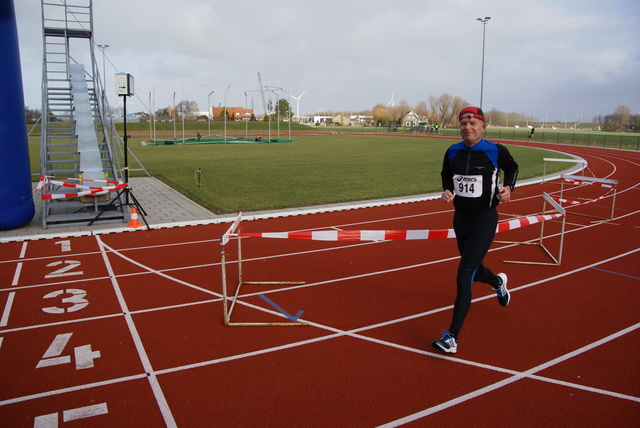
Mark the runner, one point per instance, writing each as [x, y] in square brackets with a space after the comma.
[470, 174]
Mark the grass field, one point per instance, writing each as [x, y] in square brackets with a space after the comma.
[315, 169]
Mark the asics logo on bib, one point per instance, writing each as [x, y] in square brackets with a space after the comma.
[467, 179]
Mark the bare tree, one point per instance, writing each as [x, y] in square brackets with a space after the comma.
[187, 108]
[422, 110]
[496, 117]
[443, 110]
[622, 118]
[400, 109]
[458, 104]
[31, 115]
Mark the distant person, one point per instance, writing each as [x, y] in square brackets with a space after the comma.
[198, 136]
[470, 173]
[533, 130]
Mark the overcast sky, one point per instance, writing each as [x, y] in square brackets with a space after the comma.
[548, 58]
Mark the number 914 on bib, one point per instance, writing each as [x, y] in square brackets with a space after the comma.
[468, 186]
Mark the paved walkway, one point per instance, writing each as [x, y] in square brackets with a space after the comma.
[162, 204]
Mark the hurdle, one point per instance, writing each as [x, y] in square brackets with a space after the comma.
[545, 160]
[610, 184]
[228, 308]
[539, 242]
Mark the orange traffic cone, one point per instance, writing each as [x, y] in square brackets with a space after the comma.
[134, 223]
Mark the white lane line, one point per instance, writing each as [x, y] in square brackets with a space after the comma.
[526, 374]
[153, 380]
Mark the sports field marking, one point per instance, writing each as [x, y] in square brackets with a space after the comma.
[515, 375]
[617, 273]
[142, 353]
[66, 282]
[356, 332]
[59, 323]
[293, 318]
[72, 389]
[51, 420]
[16, 275]
[401, 268]
[172, 244]
[28, 259]
[151, 270]
[526, 374]
[533, 376]
[4, 319]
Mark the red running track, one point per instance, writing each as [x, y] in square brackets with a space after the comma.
[126, 329]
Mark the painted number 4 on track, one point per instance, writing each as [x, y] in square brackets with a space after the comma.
[84, 355]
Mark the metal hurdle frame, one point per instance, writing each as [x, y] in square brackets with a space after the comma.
[228, 309]
[592, 180]
[544, 165]
[555, 260]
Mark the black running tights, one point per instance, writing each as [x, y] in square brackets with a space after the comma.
[474, 234]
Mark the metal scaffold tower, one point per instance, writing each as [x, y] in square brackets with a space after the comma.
[79, 146]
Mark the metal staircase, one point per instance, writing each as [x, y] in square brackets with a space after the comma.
[74, 109]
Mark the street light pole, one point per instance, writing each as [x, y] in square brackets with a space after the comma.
[484, 31]
[104, 80]
[209, 113]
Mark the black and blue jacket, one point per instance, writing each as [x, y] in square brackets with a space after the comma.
[473, 173]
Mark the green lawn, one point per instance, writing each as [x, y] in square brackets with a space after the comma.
[318, 169]
[315, 169]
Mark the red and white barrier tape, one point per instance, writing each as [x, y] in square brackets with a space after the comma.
[589, 183]
[590, 201]
[49, 196]
[92, 190]
[49, 177]
[44, 180]
[390, 235]
[504, 226]
[572, 202]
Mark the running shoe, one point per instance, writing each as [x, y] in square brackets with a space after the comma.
[448, 343]
[501, 290]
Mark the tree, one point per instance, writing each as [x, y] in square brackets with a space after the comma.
[283, 109]
[422, 110]
[398, 110]
[443, 110]
[496, 117]
[226, 115]
[164, 112]
[31, 116]
[620, 120]
[186, 108]
[382, 115]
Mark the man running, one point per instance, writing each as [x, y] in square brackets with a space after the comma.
[470, 174]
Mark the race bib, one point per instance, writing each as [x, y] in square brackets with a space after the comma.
[469, 186]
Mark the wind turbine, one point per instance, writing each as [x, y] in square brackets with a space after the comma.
[298, 103]
[391, 103]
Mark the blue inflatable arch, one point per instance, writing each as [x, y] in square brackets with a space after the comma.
[16, 197]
